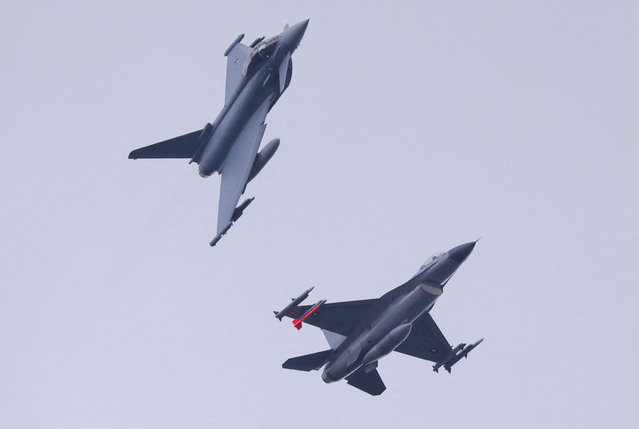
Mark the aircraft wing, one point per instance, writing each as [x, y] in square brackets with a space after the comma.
[339, 317]
[236, 59]
[425, 341]
[238, 164]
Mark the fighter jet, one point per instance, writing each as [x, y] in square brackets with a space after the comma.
[256, 77]
[362, 332]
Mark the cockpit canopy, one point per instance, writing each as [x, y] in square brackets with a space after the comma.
[260, 53]
[430, 259]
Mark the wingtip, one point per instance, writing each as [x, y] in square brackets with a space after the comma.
[221, 234]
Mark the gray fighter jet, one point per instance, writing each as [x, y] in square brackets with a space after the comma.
[256, 77]
[362, 332]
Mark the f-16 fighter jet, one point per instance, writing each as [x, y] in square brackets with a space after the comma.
[256, 77]
[362, 332]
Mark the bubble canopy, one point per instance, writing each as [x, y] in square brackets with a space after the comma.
[431, 258]
[261, 52]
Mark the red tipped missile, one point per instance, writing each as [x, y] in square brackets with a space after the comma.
[298, 322]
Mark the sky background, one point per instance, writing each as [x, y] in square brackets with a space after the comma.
[408, 128]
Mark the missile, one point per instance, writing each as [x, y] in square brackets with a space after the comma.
[455, 356]
[449, 364]
[448, 357]
[237, 40]
[470, 347]
[256, 41]
[298, 322]
[239, 210]
[221, 234]
[293, 303]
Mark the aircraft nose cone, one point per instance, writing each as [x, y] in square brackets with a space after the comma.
[300, 27]
[461, 252]
[296, 32]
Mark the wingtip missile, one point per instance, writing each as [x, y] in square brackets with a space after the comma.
[294, 301]
[461, 351]
[469, 348]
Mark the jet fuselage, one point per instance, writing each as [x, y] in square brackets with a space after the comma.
[391, 327]
[259, 85]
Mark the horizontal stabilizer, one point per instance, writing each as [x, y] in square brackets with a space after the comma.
[367, 381]
[314, 361]
[178, 147]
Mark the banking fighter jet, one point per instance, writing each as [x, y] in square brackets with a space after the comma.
[362, 332]
[256, 77]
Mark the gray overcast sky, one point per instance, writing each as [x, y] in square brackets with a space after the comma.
[408, 128]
